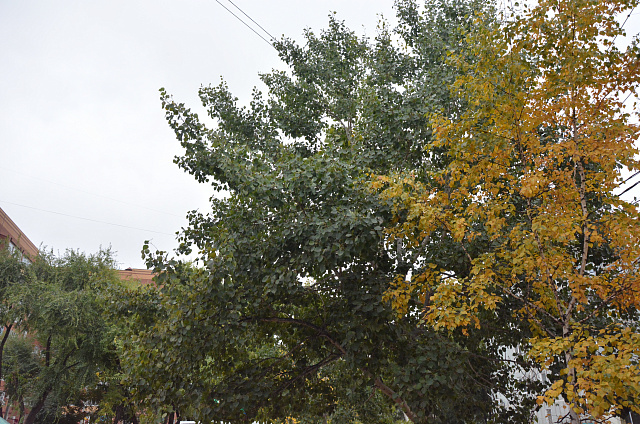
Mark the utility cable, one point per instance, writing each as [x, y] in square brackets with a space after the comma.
[624, 23]
[259, 26]
[246, 24]
[86, 219]
[88, 192]
[628, 178]
[629, 189]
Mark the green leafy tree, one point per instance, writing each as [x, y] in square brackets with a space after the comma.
[22, 365]
[288, 313]
[62, 313]
[130, 309]
[14, 275]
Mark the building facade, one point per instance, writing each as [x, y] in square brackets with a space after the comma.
[12, 238]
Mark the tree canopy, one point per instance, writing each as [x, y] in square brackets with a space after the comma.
[534, 171]
[62, 341]
[287, 316]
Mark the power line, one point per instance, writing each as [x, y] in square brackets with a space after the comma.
[89, 192]
[629, 188]
[627, 180]
[246, 24]
[87, 219]
[624, 23]
[632, 176]
[260, 26]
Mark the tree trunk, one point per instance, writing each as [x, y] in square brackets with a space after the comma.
[170, 416]
[37, 407]
[571, 375]
[7, 330]
[118, 414]
[21, 410]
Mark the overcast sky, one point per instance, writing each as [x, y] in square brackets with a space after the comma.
[81, 128]
[84, 143]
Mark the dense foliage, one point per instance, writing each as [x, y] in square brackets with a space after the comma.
[60, 341]
[415, 227]
[535, 171]
[287, 317]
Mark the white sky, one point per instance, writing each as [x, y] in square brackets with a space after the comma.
[82, 132]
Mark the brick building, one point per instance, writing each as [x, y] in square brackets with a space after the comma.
[12, 238]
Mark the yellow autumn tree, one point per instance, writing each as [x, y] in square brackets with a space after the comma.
[534, 166]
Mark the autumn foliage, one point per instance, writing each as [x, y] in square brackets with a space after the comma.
[535, 165]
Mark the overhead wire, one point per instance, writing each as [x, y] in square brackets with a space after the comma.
[128, 203]
[630, 177]
[626, 180]
[629, 188]
[89, 192]
[86, 219]
[246, 24]
[624, 23]
[260, 26]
